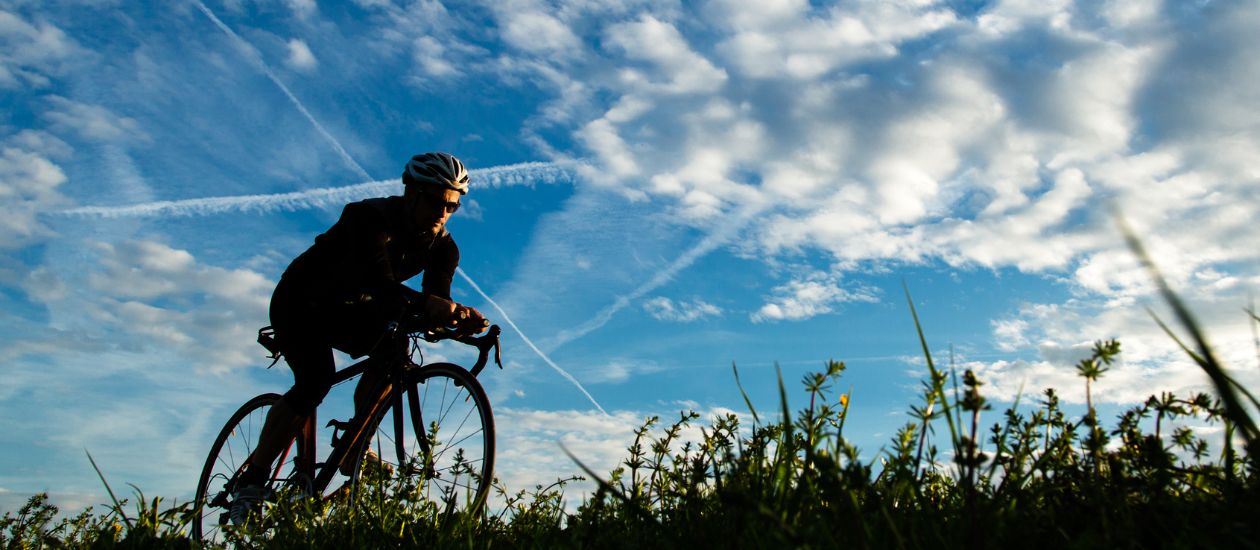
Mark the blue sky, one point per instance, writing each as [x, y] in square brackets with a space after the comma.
[660, 189]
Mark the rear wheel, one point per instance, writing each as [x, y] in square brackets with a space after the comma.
[226, 461]
[435, 443]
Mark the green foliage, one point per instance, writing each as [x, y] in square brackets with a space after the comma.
[1035, 477]
[36, 525]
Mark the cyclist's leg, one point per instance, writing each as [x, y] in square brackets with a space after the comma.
[313, 369]
[368, 389]
[282, 424]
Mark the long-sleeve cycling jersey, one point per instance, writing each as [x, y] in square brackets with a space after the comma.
[350, 280]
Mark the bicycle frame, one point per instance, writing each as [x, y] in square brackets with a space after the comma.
[321, 474]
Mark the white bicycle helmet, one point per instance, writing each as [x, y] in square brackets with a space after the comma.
[439, 169]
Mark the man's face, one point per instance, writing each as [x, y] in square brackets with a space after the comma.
[430, 208]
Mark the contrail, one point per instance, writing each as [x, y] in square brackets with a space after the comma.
[525, 173]
[258, 60]
[718, 237]
[529, 342]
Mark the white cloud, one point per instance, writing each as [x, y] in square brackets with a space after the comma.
[300, 56]
[1131, 13]
[430, 55]
[769, 14]
[665, 309]
[29, 186]
[31, 53]
[617, 161]
[999, 148]
[790, 39]
[304, 9]
[1150, 362]
[163, 297]
[529, 445]
[92, 122]
[679, 69]
[539, 33]
[439, 44]
[1010, 334]
[132, 345]
[816, 294]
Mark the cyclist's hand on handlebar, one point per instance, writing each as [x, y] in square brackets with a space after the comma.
[439, 310]
[468, 320]
[463, 319]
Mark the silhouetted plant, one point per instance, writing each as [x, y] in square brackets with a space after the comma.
[1038, 478]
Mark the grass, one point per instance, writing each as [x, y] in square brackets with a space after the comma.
[1038, 478]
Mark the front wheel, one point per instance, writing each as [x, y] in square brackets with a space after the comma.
[434, 445]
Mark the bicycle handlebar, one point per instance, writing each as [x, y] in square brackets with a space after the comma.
[483, 344]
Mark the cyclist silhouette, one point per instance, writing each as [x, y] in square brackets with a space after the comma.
[344, 291]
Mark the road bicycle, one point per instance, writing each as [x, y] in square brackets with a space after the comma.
[429, 431]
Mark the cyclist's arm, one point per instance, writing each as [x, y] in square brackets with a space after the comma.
[425, 311]
[439, 271]
[437, 289]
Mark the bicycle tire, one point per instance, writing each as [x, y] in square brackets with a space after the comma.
[225, 462]
[435, 442]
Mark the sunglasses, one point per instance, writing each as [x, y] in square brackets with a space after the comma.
[449, 206]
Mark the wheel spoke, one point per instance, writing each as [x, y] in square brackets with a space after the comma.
[452, 451]
[455, 444]
[465, 438]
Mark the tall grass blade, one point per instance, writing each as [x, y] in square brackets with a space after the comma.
[1254, 321]
[744, 394]
[937, 378]
[1202, 361]
[117, 505]
[786, 453]
[1225, 386]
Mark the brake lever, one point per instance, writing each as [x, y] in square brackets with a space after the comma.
[483, 345]
[498, 359]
